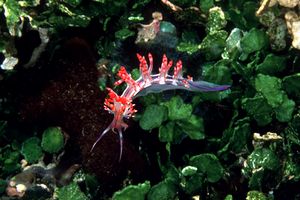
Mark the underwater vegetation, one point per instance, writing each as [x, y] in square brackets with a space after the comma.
[230, 132]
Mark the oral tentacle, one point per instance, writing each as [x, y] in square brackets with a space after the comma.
[100, 137]
[121, 143]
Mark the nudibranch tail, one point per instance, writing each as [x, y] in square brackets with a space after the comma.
[121, 106]
[204, 86]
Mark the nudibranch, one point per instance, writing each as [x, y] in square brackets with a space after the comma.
[122, 107]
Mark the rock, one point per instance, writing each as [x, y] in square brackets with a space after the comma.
[288, 3]
[293, 25]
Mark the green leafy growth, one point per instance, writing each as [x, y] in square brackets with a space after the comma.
[3, 186]
[72, 2]
[9, 161]
[284, 112]
[61, 22]
[249, 10]
[291, 170]
[218, 73]
[12, 12]
[177, 109]
[185, 3]
[124, 33]
[205, 5]
[254, 40]
[32, 150]
[137, 192]
[52, 140]
[91, 184]
[140, 4]
[231, 50]
[271, 65]
[259, 109]
[209, 165]
[171, 132]
[292, 136]
[192, 180]
[105, 47]
[189, 36]
[193, 127]
[153, 116]
[236, 139]
[256, 180]
[189, 42]
[255, 195]
[229, 197]
[189, 171]
[291, 85]
[213, 44]
[295, 123]
[242, 14]
[166, 132]
[3, 126]
[270, 88]
[167, 27]
[171, 173]
[71, 191]
[187, 47]
[165, 190]
[135, 73]
[193, 184]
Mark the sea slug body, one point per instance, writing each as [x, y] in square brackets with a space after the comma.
[122, 107]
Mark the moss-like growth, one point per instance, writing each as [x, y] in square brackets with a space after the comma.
[32, 150]
[53, 140]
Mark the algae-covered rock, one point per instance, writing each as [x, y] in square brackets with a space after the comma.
[52, 140]
[262, 158]
[32, 150]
